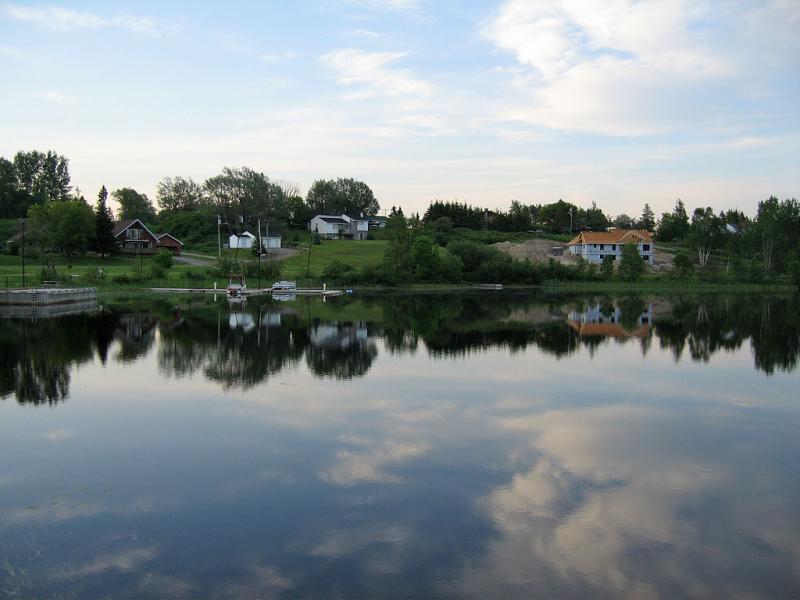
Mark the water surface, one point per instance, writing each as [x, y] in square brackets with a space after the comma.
[405, 445]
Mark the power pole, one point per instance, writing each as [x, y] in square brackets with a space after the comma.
[219, 238]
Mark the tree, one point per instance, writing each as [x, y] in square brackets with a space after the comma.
[623, 221]
[341, 196]
[133, 205]
[594, 218]
[648, 220]
[607, 267]
[299, 212]
[631, 265]
[178, 193]
[14, 201]
[704, 233]
[243, 196]
[682, 266]
[557, 217]
[43, 177]
[103, 242]
[65, 227]
[673, 226]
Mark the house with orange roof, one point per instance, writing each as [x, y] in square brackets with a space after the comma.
[597, 321]
[594, 246]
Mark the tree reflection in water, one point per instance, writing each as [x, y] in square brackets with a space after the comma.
[241, 347]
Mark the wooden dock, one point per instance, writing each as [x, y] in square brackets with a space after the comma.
[46, 296]
[253, 292]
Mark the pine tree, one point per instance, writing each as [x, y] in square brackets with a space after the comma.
[648, 220]
[104, 242]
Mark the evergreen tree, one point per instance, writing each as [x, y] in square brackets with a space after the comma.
[648, 220]
[104, 242]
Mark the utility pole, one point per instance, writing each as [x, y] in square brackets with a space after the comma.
[260, 249]
[219, 238]
[570, 221]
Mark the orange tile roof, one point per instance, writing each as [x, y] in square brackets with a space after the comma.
[609, 329]
[617, 236]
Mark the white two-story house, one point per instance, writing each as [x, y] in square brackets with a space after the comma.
[340, 227]
[594, 246]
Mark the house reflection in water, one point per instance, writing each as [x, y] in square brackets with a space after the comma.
[612, 321]
[338, 335]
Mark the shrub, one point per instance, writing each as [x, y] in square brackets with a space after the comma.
[163, 259]
[607, 267]
[339, 272]
[270, 270]
[156, 271]
[93, 277]
[682, 266]
[631, 266]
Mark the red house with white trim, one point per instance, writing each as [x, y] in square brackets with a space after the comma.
[134, 237]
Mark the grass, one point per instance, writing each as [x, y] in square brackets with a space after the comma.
[356, 253]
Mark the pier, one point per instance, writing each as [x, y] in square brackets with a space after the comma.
[42, 297]
[255, 292]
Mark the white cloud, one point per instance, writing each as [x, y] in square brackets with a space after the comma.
[64, 19]
[55, 97]
[374, 73]
[615, 67]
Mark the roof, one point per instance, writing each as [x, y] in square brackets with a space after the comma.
[124, 224]
[377, 218]
[328, 219]
[617, 236]
[609, 329]
[160, 235]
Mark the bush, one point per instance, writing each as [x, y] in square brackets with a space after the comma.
[794, 272]
[607, 267]
[163, 259]
[93, 277]
[631, 266]
[156, 271]
[270, 270]
[339, 272]
[682, 266]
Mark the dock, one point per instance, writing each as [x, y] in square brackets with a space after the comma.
[254, 292]
[42, 297]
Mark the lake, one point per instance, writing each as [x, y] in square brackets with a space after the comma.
[428, 445]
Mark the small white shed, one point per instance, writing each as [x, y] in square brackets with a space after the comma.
[245, 240]
[271, 242]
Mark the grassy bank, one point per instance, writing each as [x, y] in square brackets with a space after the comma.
[358, 254]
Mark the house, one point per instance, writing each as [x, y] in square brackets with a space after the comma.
[245, 240]
[377, 222]
[134, 237]
[594, 246]
[341, 227]
[169, 242]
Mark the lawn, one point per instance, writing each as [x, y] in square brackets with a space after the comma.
[356, 253]
[11, 270]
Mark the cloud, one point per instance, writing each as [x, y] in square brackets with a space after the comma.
[64, 19]
[621, 67]
[374, 73]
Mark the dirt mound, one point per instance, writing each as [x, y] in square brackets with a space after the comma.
[537, 251]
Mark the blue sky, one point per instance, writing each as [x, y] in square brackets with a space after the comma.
[618, 102]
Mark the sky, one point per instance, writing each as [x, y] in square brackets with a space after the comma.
[618, 102]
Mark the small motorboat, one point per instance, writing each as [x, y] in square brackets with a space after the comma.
[284, 287]
[236, 286]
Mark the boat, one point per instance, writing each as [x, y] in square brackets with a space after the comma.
[236, 285]
[284, 286]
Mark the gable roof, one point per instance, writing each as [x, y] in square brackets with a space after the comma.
[121, 226]
[161, 235]
[330, 219]
[244, 234]
[616, 236]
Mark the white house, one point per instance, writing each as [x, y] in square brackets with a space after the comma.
[340, 227]
[245, 240]
[594, 246]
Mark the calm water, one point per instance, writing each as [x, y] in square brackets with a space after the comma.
[477, 445]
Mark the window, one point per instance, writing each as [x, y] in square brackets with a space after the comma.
[646, 257]
[614, 247]
[602, 256]
[646, 247]
[602, 246]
